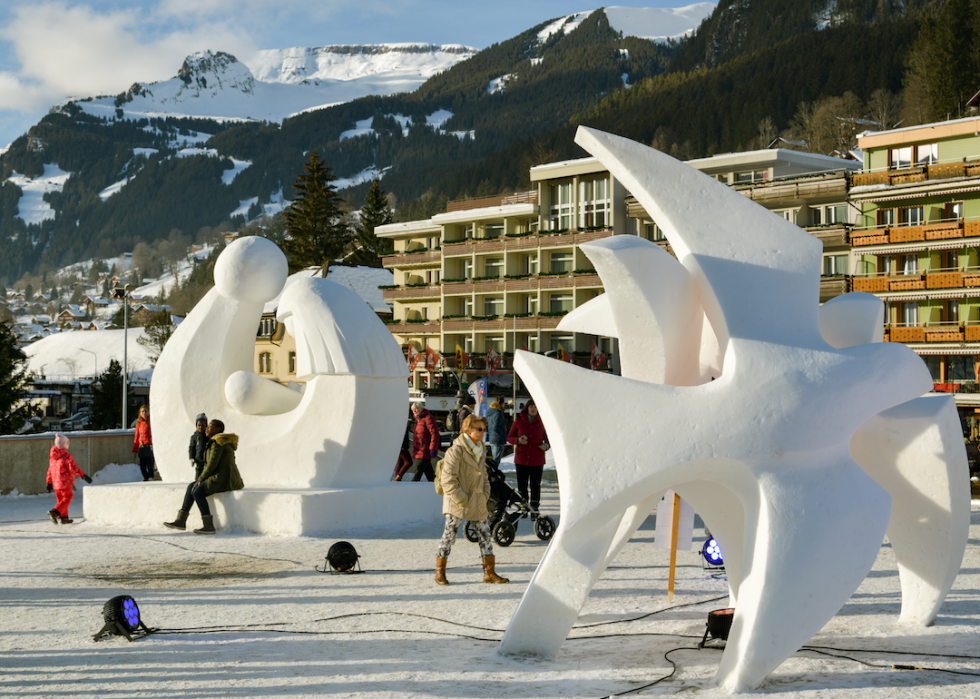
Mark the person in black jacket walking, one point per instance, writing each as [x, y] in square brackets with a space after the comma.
[199, 444]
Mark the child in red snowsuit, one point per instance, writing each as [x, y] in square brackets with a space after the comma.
[62, 471]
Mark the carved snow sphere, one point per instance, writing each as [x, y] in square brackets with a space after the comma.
[251, 269]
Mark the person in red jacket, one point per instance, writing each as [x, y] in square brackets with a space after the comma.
[530, 443]
[426, 444]
[143, 444]
[62, 471]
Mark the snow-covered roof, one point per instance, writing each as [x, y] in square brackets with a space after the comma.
[46, 355]
[364, 281]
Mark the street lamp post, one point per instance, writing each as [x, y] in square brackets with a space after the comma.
[122, 292]
[95, 365]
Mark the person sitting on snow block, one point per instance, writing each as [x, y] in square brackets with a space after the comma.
[62, 472]
[219, 476]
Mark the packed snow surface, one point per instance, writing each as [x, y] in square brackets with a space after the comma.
[259, 621]
[658, 23]
[364, 281]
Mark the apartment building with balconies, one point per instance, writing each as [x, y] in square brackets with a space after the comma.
[501, 272]
[918, 247]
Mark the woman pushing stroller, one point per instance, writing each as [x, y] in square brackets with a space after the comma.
[466, 488]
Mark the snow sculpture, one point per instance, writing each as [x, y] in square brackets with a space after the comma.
[343, 429]
[750, 399]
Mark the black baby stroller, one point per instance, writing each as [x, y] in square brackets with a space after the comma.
[507, 508]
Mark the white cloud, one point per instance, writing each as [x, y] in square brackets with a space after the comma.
[77, 51]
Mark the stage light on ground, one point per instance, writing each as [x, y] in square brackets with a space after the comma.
[122, 618]
[719, 625]
[711, 552]
[341, 558]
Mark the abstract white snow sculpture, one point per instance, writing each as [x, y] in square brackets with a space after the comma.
[763, 452]
[344, 429]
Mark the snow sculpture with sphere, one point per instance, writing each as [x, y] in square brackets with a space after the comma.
[764, 451]
[343, 429]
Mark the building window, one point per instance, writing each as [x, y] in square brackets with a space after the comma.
[561, 303]
[960, 368]
[900, 157]
[837, 213]
[265, 363]
[594, 206]
[468, 307]
[267, 327]
[927, 154]
[910, 216]
[834, 265]
[468, 269]
[934, 364]
[494, 267]
[493, 230]
[752, 176]
[561, 262]
[953, 211]
[786, 215]
[951, 311]
[497, 343]
[910, 313]
[292, 362]
[908, 264]
[561, 206]
[532, 305]
[886, 217]
[493, 306]
[532, 264]
[567, 342]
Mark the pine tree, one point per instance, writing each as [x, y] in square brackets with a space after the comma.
[313, 220]
[107, 398]
[374, 213]
[14, 383]
[158, 330]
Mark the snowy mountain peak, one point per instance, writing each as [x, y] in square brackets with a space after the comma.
[215, 72]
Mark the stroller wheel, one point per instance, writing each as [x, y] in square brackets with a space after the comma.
[470, 531]
[544, 527]
[504, 533]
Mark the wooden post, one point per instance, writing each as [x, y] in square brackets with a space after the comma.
[673, 547]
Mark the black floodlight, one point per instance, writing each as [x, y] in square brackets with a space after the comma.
[719, 625]
[341, 558]
[122, 618]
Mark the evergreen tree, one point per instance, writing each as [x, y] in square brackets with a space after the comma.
[14, 383]
[107, 398]
[313, 220]
[374, 213]
[158, 330]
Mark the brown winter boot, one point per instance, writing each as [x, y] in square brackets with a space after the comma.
[180, 522]
[55, 516]
[441, 571]
[208, 527]
[489, 574]
[67, 520]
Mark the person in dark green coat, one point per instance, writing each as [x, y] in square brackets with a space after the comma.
[219, 476]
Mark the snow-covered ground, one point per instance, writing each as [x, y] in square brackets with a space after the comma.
[258, 621]
[31, 207]
[80, 353]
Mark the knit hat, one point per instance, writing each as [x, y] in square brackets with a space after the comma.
[200, 417]
[60, 441]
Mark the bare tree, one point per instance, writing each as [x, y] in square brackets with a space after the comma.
[72, 365]
[884, 108]
[767, 131]
[802, 125]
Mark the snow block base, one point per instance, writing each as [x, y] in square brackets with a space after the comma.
[267, 511]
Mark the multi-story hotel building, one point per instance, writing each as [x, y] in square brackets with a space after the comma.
[918, 245]
[501, 271]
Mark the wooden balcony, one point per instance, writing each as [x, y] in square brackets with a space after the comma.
[529, 197]
[943, 332]
[412, 259]
[954, 278]
[533, 283]
[892, 235]
[545, 239]
[831, 287]
[500, 323]
[403, 328]
[837, 235]
[921, 173]
[420, 292]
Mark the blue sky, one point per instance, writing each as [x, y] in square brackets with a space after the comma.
[52, 50]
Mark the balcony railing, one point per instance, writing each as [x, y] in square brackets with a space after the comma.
[542, 239]
[945, 331]
[892, 235]
[401, 327]
[917, 173]
[932, 279]
[406, 259]
[956, 387]
[412, 292]
[529, 283]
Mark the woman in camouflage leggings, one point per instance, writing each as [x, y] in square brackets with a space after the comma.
[466, 489]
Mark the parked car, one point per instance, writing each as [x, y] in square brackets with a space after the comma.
[78, 421]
